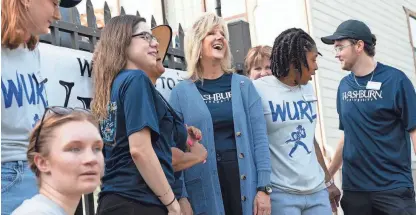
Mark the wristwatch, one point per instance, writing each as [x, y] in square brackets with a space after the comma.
[329, 183]
[266, 189]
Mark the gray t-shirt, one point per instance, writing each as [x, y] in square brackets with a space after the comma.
[39, 205]
[23, 100]
[291, 117]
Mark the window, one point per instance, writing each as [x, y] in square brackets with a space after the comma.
[412, 30]
[98, 6]
[182, 12]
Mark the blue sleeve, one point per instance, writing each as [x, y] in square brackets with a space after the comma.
[405, 103]
[174, 101]
[138, 100]
[180, 134]
[259, 132]
[341, 126]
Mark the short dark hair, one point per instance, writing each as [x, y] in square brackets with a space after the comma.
[290, 47]
[370, 50]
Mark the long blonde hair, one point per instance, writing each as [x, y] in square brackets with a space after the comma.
[110, 57]
[193, 44]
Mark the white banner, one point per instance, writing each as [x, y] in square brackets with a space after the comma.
[69, 81]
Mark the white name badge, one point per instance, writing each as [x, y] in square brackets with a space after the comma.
[309, 97]
[373, 85]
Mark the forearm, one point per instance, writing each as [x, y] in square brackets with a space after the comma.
[183, 160]
[151, 170]
[413, 138]
[337, 158]
[321, 160]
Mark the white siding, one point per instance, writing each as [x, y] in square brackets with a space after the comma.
[386, 19]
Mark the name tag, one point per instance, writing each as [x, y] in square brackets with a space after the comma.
[373, 85]
[309, 97]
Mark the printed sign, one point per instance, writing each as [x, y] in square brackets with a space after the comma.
[68, 76]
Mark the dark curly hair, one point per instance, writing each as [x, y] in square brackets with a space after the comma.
[290, 47]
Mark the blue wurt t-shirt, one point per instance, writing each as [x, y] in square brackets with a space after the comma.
[216, 94]
[376, 123]
[134, 105]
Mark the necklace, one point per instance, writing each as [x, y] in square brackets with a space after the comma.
[372, 75]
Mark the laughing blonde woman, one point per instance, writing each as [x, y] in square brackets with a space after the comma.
[226, 107]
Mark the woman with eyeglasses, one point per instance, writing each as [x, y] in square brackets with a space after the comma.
[65, 154]
[23, 91]
[136, 124]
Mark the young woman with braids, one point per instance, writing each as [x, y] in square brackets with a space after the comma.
[289, 104]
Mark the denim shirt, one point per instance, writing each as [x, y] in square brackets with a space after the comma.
[201, 181]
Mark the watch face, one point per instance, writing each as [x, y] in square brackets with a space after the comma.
[269, 190]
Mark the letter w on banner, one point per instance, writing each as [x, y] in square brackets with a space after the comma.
[69, 77]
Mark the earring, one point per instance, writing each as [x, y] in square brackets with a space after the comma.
[26, 5]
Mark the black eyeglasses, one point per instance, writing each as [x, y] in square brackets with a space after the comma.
[146, 36]
[62, 111]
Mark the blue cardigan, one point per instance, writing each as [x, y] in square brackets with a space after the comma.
[201, 181]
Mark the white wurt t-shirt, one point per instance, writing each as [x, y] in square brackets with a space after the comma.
[290, 114]
[23, 100]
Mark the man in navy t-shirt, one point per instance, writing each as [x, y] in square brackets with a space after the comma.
[376, 104]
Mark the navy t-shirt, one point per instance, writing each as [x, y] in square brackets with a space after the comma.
[376, 123]
[134, 105]
[216, 94]
[180, 135]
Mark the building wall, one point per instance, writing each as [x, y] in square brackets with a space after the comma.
[186, 12]
[268, 18]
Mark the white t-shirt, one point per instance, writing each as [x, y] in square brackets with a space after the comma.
[41, 205]
[290, 114]
[23, 100]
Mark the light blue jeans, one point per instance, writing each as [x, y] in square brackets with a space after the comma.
[18, 183]
[292, 204]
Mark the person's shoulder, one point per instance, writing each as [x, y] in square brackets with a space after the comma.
[37, 205]
[20, 51]
[396, 75]
[131, 74]
[128, 77]
[308, 87]
[392, 71]
[265, 82]
[183, 85]
[240, 77]
[242, 80]
[346, 79]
